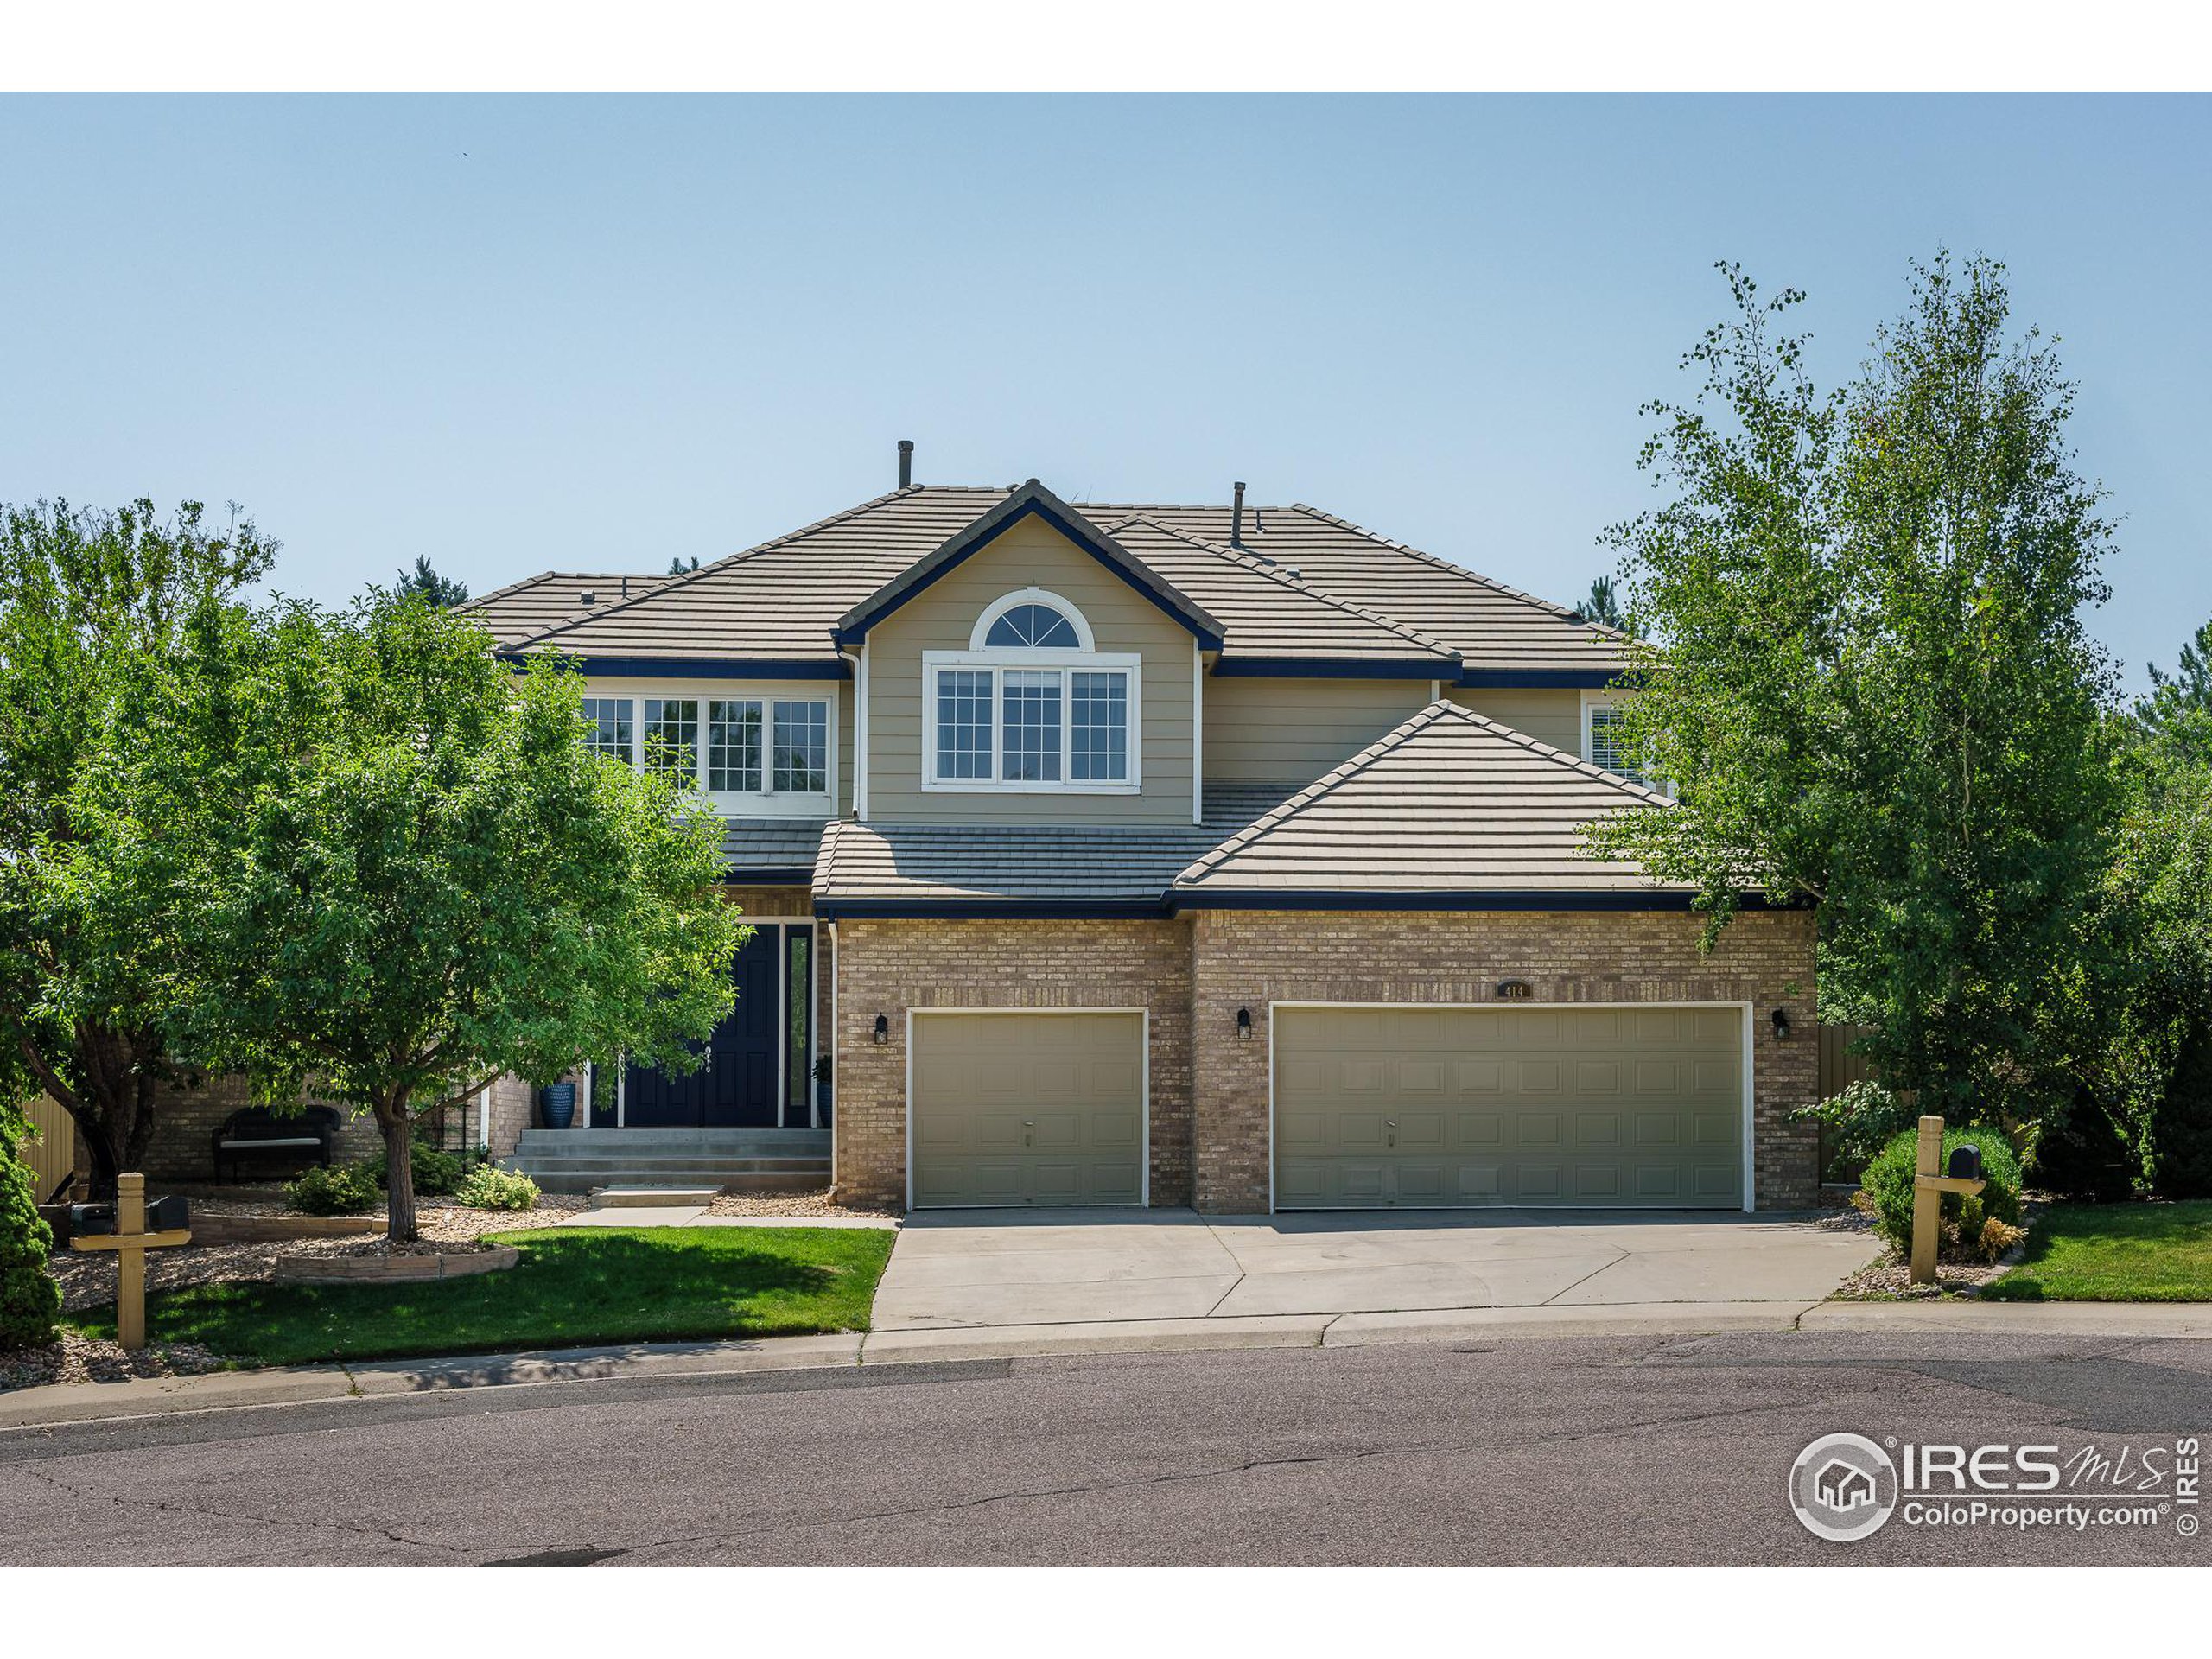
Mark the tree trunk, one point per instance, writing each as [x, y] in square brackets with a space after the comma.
[399, 1173]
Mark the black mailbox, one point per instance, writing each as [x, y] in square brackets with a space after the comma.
[164, 1215]
[91, 1220]
[1965, 1163]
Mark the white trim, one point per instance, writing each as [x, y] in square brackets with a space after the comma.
[1125, 663]
[1085, 639]
[1750, 1065]
[1197, 733]
[1144, 1039]
[768, 801]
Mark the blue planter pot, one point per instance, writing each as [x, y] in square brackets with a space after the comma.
[557, 1104]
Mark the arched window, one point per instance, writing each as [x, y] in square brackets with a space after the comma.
[1032, 704]
[1032, 624]
[1030, 618]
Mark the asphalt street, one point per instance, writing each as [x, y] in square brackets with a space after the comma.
[1613, 1451]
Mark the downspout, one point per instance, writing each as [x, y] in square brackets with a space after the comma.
[859, 660]
[836, 1062]
[1197, 733]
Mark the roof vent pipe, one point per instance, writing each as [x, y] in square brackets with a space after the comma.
[905, 463]
[1236, 518]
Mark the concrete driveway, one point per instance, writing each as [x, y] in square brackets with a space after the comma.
[955, 1268]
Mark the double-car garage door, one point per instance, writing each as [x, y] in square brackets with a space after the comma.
[1374, 1107]
[1429, 1107]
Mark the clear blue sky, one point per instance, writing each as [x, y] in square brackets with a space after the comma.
[514, 333]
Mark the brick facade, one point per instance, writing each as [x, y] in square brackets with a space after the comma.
[1250, 958]
[888, 967]
[182, 1148]
[1196, 973]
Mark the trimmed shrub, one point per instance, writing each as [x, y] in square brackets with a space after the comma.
[2083, 1155]
[339, 1189]
[1965, 1234]
[437, 1174]
[30, 1297]
[489, 1187]
[2181, 1131]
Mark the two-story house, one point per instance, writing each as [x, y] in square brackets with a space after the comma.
[1168, 855]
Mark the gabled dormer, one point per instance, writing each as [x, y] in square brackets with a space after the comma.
[1030, 670]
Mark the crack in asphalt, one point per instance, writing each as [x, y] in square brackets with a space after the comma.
[1171, 1478]
[122, 1502]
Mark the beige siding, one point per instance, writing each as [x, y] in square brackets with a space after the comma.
[1270, 731]
[1550, 716]
[943, 617]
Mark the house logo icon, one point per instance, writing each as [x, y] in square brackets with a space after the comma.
[1843, 1487]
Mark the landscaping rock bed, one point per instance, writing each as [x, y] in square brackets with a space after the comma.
[73, 1359]
[798, 1205]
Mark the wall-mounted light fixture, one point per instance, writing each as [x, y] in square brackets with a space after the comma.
[1780, 1021]
[1243, 1024]
[882, 1027]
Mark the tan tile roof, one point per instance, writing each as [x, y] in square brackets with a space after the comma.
[779, 601]
[1268, 613]
[984, 866]
[522, 610]
[1492, 626]
[1449, 803]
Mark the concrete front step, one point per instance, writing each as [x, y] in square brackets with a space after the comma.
[731, 1161]
[533, 1162]
[592, 1180]
[654, 1197]
[629, 1143]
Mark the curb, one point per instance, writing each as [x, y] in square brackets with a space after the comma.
[59, 1404]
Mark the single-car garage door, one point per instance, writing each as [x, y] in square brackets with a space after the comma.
[1635, 1107]
[1018, 1108]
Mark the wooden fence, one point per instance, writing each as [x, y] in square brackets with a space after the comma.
[52, 1149]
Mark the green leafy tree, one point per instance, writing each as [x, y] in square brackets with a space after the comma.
[1868, 680]
[2178, 712]
[678, 568]
[403, 871]
[427, 585]
[86, 598]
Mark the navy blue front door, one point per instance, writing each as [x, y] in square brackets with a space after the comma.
[736, 1089]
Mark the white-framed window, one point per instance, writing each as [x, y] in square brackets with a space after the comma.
[746, 752]
[611, 730]
[1603, 741]
[1031, 705]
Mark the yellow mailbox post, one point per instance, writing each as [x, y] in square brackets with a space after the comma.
[1928, 1186]
[131, 1240]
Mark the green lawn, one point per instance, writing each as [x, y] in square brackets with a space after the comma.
[573, 1286]
[2114, 1253]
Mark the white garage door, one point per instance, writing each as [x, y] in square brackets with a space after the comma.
[1620, 1108]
